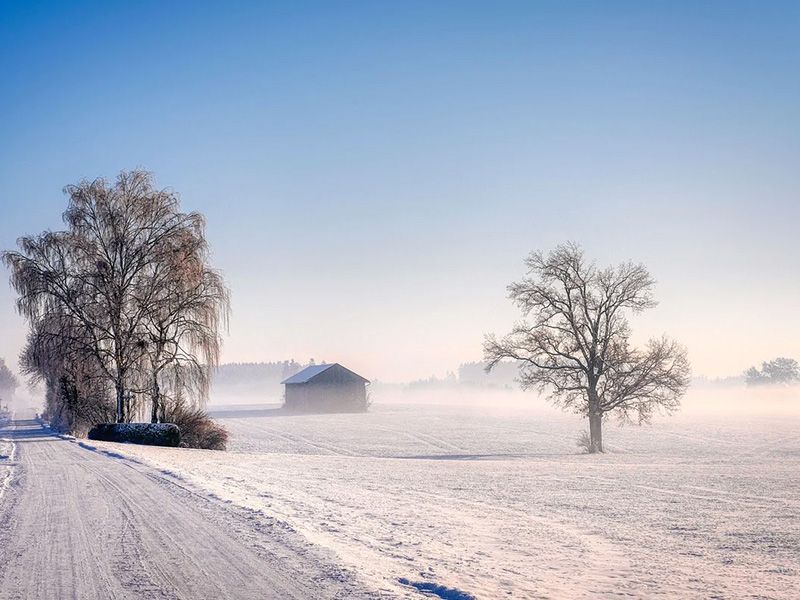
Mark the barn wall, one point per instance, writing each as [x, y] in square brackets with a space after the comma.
[314, 396]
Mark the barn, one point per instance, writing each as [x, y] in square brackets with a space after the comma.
[325, 388]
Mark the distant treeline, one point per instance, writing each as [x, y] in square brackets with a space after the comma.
[264, 378]
[260, 372]
[779, 371]
[256, 378]
[473, 374]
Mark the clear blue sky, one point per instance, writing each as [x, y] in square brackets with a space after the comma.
[373, 173]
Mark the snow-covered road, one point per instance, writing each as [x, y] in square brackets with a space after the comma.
[77, 523]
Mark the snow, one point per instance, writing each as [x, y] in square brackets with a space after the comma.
[492, 500]
[7, 453]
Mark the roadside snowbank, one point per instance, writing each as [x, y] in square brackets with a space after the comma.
[7, 455]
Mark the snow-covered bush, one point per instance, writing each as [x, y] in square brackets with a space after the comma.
[150, 434]
[198, 430]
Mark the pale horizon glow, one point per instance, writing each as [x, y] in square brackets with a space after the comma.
[374, 175]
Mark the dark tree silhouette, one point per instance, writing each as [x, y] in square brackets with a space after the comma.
[575, 342]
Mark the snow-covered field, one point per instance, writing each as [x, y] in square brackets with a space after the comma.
[492, 498]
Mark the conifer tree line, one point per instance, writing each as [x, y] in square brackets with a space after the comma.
[125, 312]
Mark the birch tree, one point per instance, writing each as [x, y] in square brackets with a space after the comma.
[76, 388]
[107, 272]
[574, 340]
[189, 306]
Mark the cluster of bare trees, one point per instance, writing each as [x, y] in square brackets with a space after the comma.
[575, 341]
[779, 371]
[124, 310]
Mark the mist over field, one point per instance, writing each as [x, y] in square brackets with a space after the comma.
[258, 384]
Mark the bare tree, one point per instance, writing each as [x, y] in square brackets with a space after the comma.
[108, 271]
[189, 305]
[76, 388]
[576, 341]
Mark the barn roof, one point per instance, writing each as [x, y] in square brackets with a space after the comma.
[312, 371]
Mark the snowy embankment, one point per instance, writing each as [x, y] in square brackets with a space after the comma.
[7, 452]
[493, 503]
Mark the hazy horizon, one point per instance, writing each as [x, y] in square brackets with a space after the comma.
[374, 175]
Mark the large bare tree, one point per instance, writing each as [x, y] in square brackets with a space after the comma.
[124, 244]
[574, 340]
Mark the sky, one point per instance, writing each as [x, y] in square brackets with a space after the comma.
[373, 174]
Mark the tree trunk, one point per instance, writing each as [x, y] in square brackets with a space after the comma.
[120, 401]
[156, 398]
[595, 432]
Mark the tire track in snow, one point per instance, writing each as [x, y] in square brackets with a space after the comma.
[429, 440]
[329, 449]
[606, 568]
[766, 449]
[708, 494]
[766, 501]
